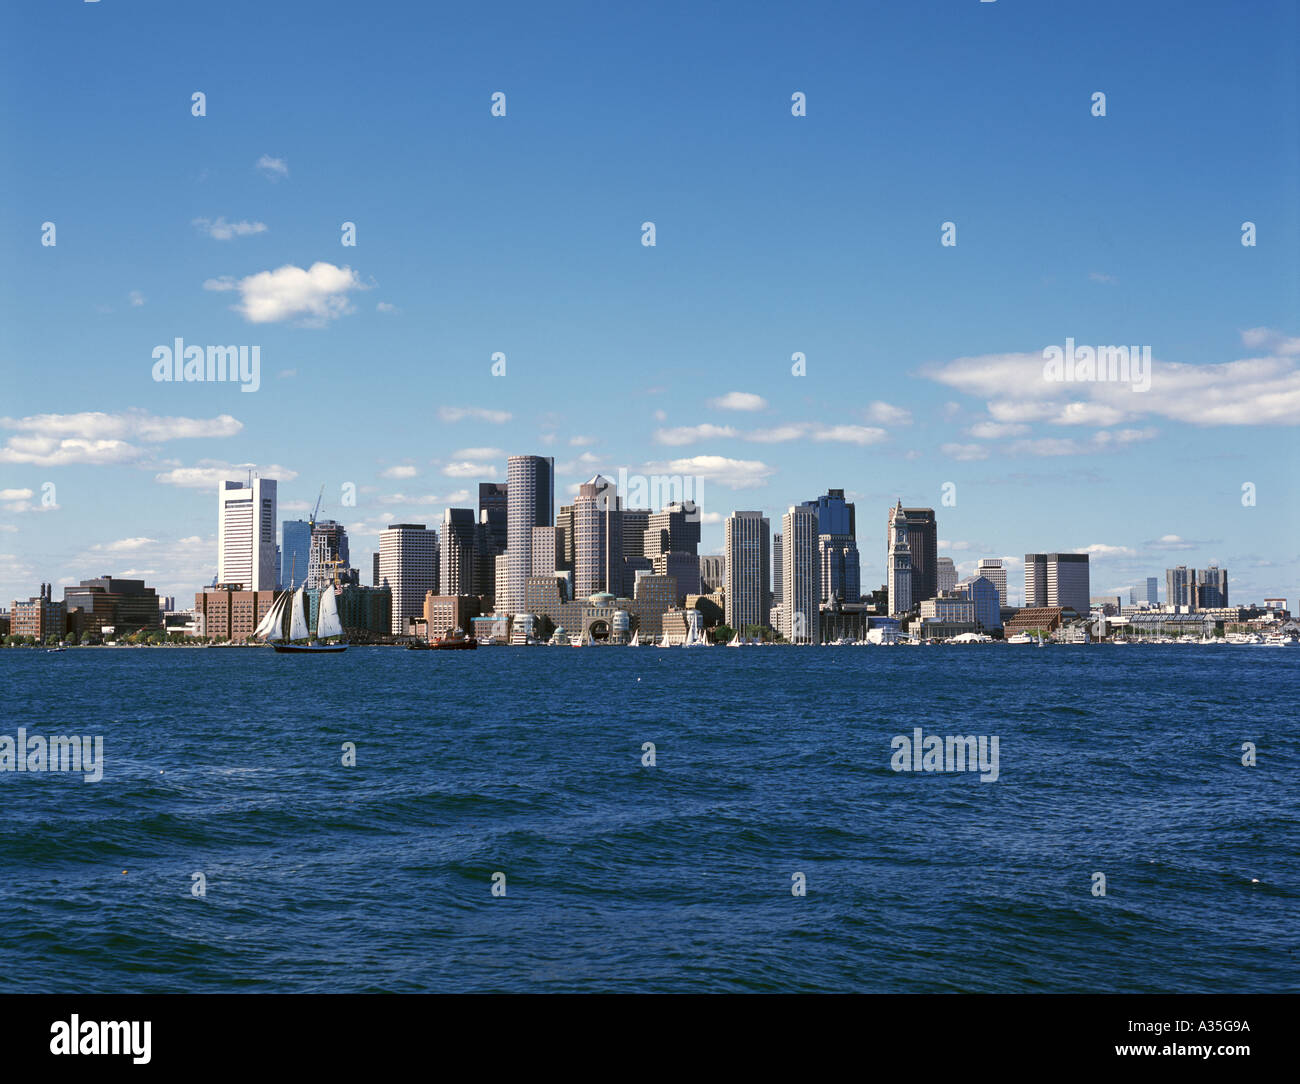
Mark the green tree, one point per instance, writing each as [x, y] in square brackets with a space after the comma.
[722, 634]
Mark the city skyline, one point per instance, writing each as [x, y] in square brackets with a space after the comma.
[399, 371]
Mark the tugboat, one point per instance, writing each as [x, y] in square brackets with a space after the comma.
[456, 640]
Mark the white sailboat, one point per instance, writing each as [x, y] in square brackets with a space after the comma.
[736, 641]
[636, 639]
[298, 638]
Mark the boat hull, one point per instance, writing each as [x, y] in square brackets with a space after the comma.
[309, 649]
[454, 645]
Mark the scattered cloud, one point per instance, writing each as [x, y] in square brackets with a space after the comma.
[455, 414]
[221, 230]
[399, 472]
[887, 414]
[739, 400]
[136, 298]
[689, 434]
[273, 169]
[207, 473]
[729, 473]
[313, 296]
[964, 453]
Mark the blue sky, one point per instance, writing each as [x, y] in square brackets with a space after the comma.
[775, 234]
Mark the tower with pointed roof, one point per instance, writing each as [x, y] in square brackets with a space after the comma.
[899, 562]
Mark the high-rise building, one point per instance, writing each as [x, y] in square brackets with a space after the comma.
[675, 528]
[899, 562]
[458, 571]
[801, 575]
[841, 571]
[992, 570]
[295, 552]
[598, 539]
[748, 569]
[1057, 579]
[408, 566]
[530, 502]
[1196, 588]
[126, 605]
[946, 572]
[246, 534]
[713, 572]
[1153, 590]
[778, 575]
[39, 616]
[923, 546]
[493, 501]
[547, 550]
[329, 543]
[984, 593]
[375, 581]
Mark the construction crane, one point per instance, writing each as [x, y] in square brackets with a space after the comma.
[311, 524]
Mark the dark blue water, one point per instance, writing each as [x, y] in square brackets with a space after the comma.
[1121, 760]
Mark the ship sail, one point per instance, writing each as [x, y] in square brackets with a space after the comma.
[327, 620]
[269, 629]
[298, 621]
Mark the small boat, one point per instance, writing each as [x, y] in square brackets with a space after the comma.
[736, 641]
[636, 639]
[456, 640]
[297, 639]
[1020, 638]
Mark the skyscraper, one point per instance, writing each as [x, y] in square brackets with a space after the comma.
[899, 562]
[947, 574]
[295, 552]
[1057, 579]
[598, 539]
[1196, 588]
[530, 502]
[1153, 590]
[801, 576]
[246, 534]
[329, 543]
[459, 572]
[748, 569]
[408, 564]
[841, 573]
[493, 503]
[923, 544]
[991, 569]
[778, 573]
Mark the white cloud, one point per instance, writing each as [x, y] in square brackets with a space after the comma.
[996, 430]
[136, 298]
[273, 168]
[221, 230]
[209, 472]
[1100, 549]
[399, 472]
[964, 453]
[134, 423]
[53, 452]
[849, 434]
[469, 470]
[478, 453]
[15, 494]
[739, 400]
[581, 442]
[455, 414]
[384, 306]
[689, 434]
[730, 473]
[314, 295]
[887, 414]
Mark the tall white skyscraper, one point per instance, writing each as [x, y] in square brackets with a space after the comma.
[597, 539]
[801, 587]
[748, 569]
[530, 502]
[899, 562]
[408, 563]
[246, 534]
[992, 570]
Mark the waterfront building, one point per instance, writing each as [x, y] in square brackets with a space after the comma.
[366, 613]
[295, 552]
[547, 551]
[530, 502]
[778, 566]
[1153, 591]
[991, 569]
[39, 616]
[493, 513]
[229, 612]
[547, 596]
[675, 528]
[985, 598]
[408, 567]
[1046, 619]
[246, 534]
[801, 576]
[899, 562]
[747, 568]
[125, 605]
[445, 613]
[684, 568]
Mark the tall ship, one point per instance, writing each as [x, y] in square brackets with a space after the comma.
[285, 627]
